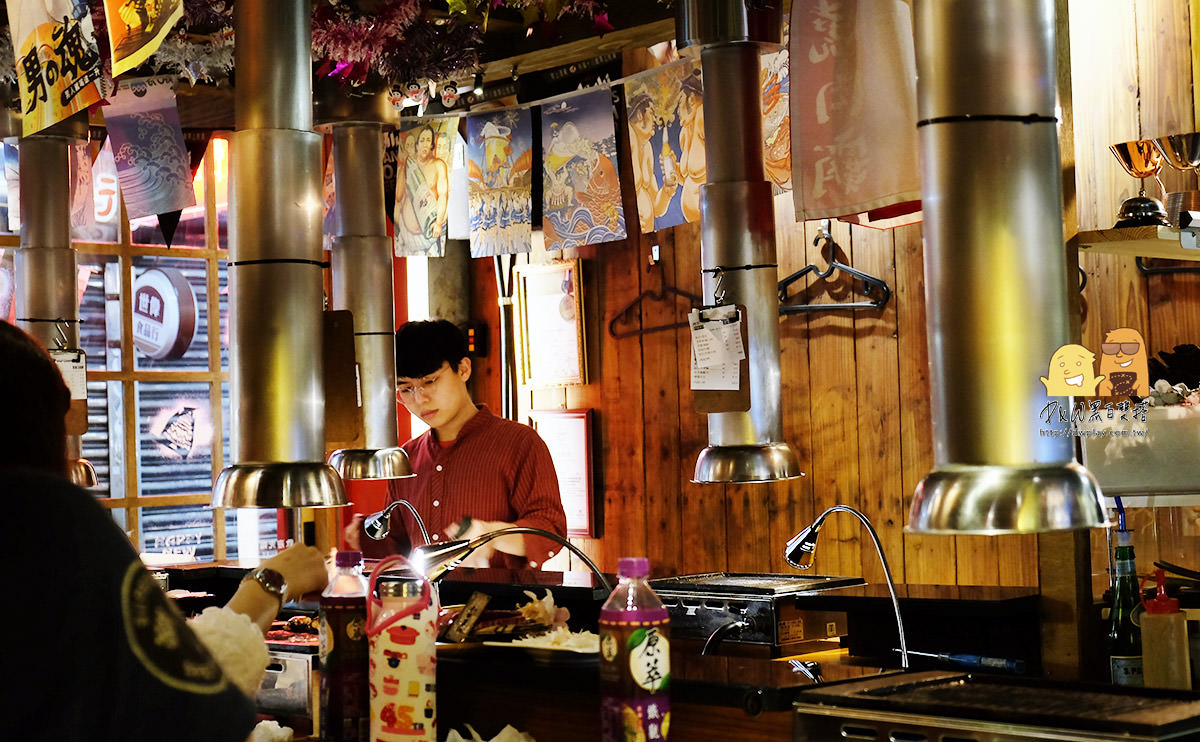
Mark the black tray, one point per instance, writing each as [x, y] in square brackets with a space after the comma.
[751, 583]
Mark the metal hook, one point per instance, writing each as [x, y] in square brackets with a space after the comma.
[60, 334]
[719, 288]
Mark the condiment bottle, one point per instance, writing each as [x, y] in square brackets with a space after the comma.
[345, 711]
[1165, 658]
[635, 658]
[402, 631]
[1124, 635]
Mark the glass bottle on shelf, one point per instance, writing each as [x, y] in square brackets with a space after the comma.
[1124, 635]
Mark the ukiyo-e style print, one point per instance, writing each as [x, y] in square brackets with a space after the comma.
[153, 165]
[666, 138]
[581, 192]
[777, 122]
[136, 28]
[500, 161]
[57, 60]
[423, 187]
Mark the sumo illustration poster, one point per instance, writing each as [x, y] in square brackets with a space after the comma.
[423, 188]
[499, 172]
[666, 139]
[581, 194]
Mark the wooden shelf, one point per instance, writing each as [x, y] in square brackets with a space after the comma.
[1146, 242]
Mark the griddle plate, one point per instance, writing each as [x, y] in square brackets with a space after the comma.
[1028, 702]
[750, 583]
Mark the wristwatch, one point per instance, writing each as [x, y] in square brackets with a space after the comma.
[269, 580]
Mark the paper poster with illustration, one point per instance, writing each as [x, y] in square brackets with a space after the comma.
[666, 140]
[499, 175]
[57, 61]
[581, 190]
[777, 123]
[136, 28]
[153, 164]
[423, 187]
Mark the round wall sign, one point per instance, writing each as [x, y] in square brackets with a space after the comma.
[165, 314]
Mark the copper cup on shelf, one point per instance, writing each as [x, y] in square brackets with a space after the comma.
[1141, 159]
[1182, 152]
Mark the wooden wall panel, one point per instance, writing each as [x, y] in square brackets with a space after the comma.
[792, 507]
[1165, 101]
[1106, 82]
[877, 352]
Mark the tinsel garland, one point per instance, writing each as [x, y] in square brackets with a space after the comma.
[390, 41]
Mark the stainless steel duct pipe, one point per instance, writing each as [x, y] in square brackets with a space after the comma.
[362, 283]
[737, 226]
[996, 277]
[47, 298]
[275, 281]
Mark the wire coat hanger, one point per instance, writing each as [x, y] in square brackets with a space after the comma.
[871, 285]
[664, 292]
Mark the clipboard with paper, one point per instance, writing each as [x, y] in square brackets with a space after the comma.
[720, 368]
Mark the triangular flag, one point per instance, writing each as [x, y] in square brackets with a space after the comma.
[196, 141]
[167, 222]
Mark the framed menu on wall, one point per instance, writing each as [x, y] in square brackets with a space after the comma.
[568, 435]
[549, 320]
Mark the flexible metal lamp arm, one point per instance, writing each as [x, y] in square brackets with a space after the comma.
[378, 526]
[435, 560]
[801, 550]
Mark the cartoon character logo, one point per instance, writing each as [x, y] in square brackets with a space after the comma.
[1124, 362]
[1071, 373]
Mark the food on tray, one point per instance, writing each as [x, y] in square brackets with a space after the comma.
[562, 638]
[535, 617]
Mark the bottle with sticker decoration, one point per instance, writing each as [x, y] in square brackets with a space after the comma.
[345, 704]
[635, 659]
[1124, 634]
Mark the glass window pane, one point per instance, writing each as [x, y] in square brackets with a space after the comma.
[185, 531]
[8, 283]
[220, 154]
[170, 314]
[104, 441]
[100, 309]
[174, 438]
[260, 541]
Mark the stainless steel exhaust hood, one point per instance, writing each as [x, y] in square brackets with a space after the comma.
[996, 277]
[46, 290]
[275, 281]
[362, 278]
[737, 225]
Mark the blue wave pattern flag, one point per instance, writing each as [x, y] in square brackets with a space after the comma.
[153, 166]
[499, 176]
[581, 194]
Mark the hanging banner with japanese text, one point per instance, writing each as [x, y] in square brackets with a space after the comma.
[423, 187]
[581, 193]
[153, 164]
[854, 111]
[499, 179]
[666, 140]
[57, 61]
[136, 28]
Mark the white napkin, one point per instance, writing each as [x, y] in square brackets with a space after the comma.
[507, 734]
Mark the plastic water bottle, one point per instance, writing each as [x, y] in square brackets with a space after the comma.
[635, 659]
[345, 707]
[1124, 635]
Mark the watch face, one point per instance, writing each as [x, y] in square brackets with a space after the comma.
[270, 580]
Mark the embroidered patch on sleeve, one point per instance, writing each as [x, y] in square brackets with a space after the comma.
[160, 640]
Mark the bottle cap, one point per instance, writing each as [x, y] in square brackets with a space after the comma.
[347, 559]
[1161, 603]
[633, 567]
[1124, 537]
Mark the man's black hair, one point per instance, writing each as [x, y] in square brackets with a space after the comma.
[423, 346]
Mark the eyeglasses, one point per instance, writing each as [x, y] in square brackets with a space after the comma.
[425, 385]
[1112, 349]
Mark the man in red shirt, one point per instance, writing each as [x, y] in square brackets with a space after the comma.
[475, 472]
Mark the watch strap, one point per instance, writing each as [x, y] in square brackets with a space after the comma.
[269, 580]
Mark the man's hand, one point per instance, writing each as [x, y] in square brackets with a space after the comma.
[475, 528]
[351, 534]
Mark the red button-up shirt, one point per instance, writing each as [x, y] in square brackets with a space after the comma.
[496, 469]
